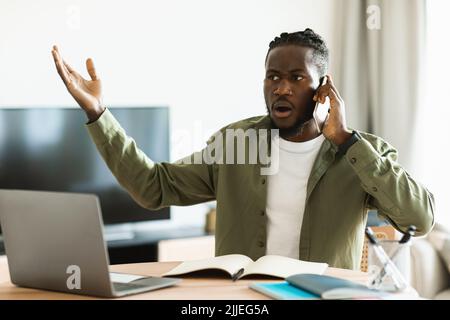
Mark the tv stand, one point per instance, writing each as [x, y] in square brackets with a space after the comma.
[133, 243]
[118, 233]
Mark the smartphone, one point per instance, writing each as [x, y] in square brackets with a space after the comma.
[320, 113]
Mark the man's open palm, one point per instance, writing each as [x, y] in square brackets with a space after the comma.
[87, 93]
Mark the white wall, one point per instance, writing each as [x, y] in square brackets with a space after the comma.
[205, 59]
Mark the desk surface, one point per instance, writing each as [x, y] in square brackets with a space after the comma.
[192, 287]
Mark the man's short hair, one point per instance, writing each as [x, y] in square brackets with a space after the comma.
[307, 38]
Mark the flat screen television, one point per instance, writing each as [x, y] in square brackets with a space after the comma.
[50, 149]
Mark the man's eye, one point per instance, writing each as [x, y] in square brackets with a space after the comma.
[273, 77]
[297, 78]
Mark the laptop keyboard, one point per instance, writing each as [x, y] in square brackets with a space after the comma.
[120, 286]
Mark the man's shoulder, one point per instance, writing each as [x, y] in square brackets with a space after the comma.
[377, 142]
[257, 122]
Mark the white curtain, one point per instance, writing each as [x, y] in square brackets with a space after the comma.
[432, 151]
[378, 67]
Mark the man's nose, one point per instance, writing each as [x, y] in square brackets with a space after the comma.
[283, 89]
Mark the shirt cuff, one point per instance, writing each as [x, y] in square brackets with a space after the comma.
[361, 154]
[104, 128]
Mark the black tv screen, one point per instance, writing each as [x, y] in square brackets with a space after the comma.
[50, 149]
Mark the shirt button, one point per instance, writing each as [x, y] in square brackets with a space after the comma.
[263, 181]
[260, 244]
[262, 212]
[374, 189]
[353, 160]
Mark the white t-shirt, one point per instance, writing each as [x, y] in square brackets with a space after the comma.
[286, 195]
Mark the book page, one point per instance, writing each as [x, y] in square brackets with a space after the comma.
[352, 293]
[283, 267]
[230, 263]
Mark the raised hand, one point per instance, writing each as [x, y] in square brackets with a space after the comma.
[87, 93]
[335, 127]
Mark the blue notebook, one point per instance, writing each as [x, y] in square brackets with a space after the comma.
[282, 291]
[314, 286]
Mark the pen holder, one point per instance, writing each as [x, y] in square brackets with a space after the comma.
[381, 276]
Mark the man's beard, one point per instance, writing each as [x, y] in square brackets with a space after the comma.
[294, 130]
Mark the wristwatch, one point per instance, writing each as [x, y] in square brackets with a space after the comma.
[355, 137]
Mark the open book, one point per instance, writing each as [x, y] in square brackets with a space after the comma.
[238, 266]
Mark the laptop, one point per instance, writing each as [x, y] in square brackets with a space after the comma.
[54, 241]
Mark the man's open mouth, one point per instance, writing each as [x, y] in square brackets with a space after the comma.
[281, 109]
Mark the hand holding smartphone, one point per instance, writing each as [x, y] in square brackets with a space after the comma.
[320, 112]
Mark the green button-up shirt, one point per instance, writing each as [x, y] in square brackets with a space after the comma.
[340, 190]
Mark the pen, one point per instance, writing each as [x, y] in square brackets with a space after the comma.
[238, 274]
[409, 233]
[371, 236]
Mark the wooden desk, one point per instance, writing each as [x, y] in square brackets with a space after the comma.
[191, 288]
